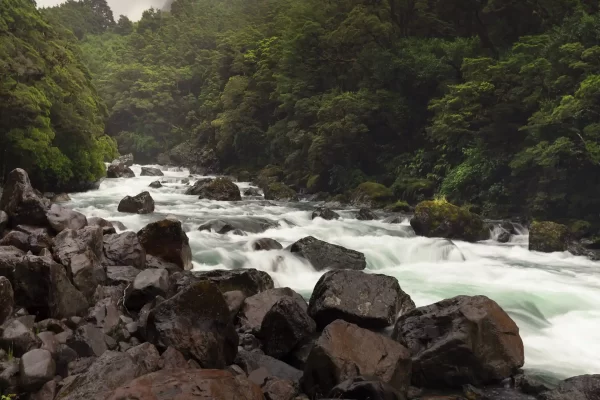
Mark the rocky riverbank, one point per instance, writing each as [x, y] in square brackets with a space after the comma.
[91, 313]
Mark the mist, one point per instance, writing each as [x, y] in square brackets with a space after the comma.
[132, 8]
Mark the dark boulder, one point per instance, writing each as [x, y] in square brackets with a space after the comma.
[371, 301]
[256, 307]
[121, 274]
[284, 326]
[221, 189]
[3, 222]
[119, 170]
[364, 214]
[149, 171]
[503, 237]
[7, 299]
[442, 219]
[279, 192]
[18, 338]
[361, 387]
[458, 341]
[323, 255]
[140, 204]
[197, 187]
[60, 198]
[548, 237]
[189, 384]
[126, 159]
[252, 192]
[124, 249]
[166, 240]
[155, 185]
[10, 257]
[118, 225]
[87, 273]
[70, 242]
[61, 218]
[583, 387]
[344, 351]
[20, 201]
[266, 244]
[155, 262]
[107, 227]
[196, 322]
[325, 213]
[249, 281]
[17, 239]
[146, 286]
[251, 361]
[245, 224]
[34, 242]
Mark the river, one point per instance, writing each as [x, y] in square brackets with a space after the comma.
[554, 298]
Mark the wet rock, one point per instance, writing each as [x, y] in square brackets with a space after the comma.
[221, 189]
[252, 192]
[18, 338]
[371, 301]
[172, 359]
[325, 213]
[142, 203]
[249, 281]
[88, 341]
[155, 262]
[107, 227]
[284, 326]
[234, 300]
[47, 392]
[3, 221]
[118, 225]
[196, 322]
[121, 274]
[364, 214]
[49, 342]
[266, 244]
[252, 361]
[10, 257]
[365, 388]
[36, 368]
[70, 242]
[531, 384]
[244, 224]
[583, 387]
[149, 171]
[16, 239]
[189, 384]
[548, 237]
[345, 350]
[166, 240]
[124, 249]
[442, 219]
[503, 237]
[20, 202]
[147, 285]
[458, 341]
[7, 299]
[155, 185]
[323, 255]
[87, 273]
[61, 218]
[146, 354]
[256, 307]
[126, 159]
[119, 170]
[279, 192]
[60, 198]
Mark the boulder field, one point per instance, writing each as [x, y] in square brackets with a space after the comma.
[89, 313]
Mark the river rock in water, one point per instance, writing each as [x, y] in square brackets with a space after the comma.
[445, 220]
[364, 214]
[119, 170]
[548, 237]
[155, 185]
[584, 387]
[20, 201]
[325, 213]
[222, 189]
[126, 159]
[143, 203]
[266, 244]
[166, 240]
[323, 255]
[150, 171]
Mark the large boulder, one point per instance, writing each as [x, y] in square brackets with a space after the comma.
[155, 185]
[245, 224]
[10, 257]
[458, 341]
[279, 192]
[255, 308]
[196, 322]
[124, 249]
[548, 237]
[371, 301]
[36, 368]
[439, 218]
[371, 195]
[17, 239]
[325, 213]
[142, 203]
[344, 351]
[20, 201]
[364, 214]
[119, 170]
[61, 218]
[147, 285]
[70, 242]
[87, 273]
[249, 281]
[189, 384]
[108, 227]
[7, 299]
[583, 387]
[88, 341]
[166, 240]
[222, 189]
[121, 274]
[323, 255]
[150, 171]
[34, 242]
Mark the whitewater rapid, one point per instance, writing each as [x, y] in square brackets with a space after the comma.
[554, 298]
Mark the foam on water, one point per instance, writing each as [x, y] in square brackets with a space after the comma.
[553, 297]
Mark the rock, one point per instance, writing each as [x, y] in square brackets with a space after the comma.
[146, 354]
[196, 322]
[323, 255]
[10, 257]
[3, 221]
[252, 361]
[548, 237]
[266, 244]
[60, 198]
[106, 314]
[107, 227]
[7, 299]
[458, 341]
[189, 384]
[123, 274]
[119, 170]
[583, 387]
[50, 325]
[371, 301]
[252, 192]
[18, 338]
[279, 389]
[284, 326]
[107, 373]
[80, 365]
[361, 387]
[47, 392]
[49, 342]
[279, 192]
[442, 219]
[155, 185]
[244, 224]
[249, 281]
[147, 285]
[88, 341]
[118, 225]
[35, 242]
[140, 204]
[155, 262]
[503, 237]
[70, 242]
[364, 214]
[126, 159]
[172, 359]
[344, 351]
[166, 240]
[325, 213]
[87, 273]
[16, 239]
[256, 307]
[61, 218]
[531, 384]
[221, 189]
[124, 249]
[149, 171]
[9, 375]
[20, 202]
[234, 300]
[36, 368]
[42, 286]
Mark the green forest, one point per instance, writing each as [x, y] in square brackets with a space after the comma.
[492, 104]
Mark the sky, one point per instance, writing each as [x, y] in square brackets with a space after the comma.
[132, 8]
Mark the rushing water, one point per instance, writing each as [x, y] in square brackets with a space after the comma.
[554, 298]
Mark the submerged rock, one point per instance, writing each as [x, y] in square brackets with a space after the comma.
[155, 185]
[252, 192]
[21, 202]
[119, 170]
[442, 219]
[143, 203]
[323, 255]
[150, 171]
[166, 240]
[548, 237]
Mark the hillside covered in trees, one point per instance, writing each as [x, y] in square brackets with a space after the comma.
[494, 104]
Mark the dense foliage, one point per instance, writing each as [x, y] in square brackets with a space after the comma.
[51, 118]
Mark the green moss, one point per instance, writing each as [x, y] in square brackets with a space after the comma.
[372, 194]
[579, 228]
[399, 206]
[413, 189]
[439, 218]
[280, 191]
[548, 236]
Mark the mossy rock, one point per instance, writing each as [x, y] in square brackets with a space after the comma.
[269, 174]
[372, 195]
[221, 189]
[438, 218]
[399, 206]
[279, 191]
[548, 237]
